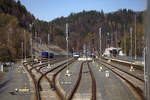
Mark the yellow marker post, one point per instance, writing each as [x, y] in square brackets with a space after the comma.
[97, 65]
[25, 86]
[131, 69]
[101, 68]
[67, 73]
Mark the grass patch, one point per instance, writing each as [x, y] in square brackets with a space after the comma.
[5, 69]
[30, 59]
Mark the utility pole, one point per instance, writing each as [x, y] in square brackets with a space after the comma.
[108, 39]
[25, 44]
[116, 39]
[67, 40]
[48, 39]
[131, 41]
[22, 49]
[31, 45]
[30, 25]
[100, 42]
[9, 34]
[8, 38]
[131, 68]
[49, 50]
[40, 43]
[124, 41]
[135, 39]
[36, 39]
[112, 39]
[147, 55]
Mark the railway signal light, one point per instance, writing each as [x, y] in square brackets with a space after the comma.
[67, 31]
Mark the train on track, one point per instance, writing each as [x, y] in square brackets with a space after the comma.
[76, 54]
[112, 52]
[47, 55]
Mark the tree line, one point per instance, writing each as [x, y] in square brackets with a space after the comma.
[84, 27]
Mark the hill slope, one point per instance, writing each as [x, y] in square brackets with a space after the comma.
[83, 26]
[84, 29]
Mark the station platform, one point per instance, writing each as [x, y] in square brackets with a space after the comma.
[85, 59]
[136, 63]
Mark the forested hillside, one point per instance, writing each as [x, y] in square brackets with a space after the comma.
[84, 29]
[15, 20]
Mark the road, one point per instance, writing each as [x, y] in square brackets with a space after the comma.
[12, 80]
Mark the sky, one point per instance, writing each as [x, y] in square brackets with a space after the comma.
[48, 10]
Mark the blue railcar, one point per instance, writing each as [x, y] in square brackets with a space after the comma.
[44, 54]
[51, 55]
[47, 55]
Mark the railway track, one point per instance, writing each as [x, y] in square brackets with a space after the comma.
[61, 96]
[40, 60]
[33, 77]
[139, 94]
[129, 73]
[77, 84]
[53, 61]
[136, 90]
[51, 82]
[93, 83]
[44, 60]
